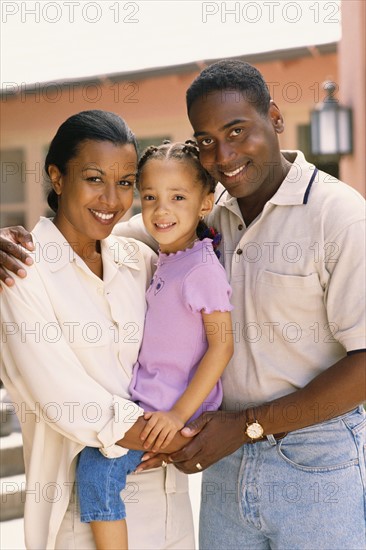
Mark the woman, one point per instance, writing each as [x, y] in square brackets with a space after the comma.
[71, 336]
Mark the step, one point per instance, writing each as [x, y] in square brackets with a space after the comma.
[12, 497]
[11, 455]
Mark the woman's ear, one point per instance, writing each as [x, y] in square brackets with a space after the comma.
[56, 178]
[207, 204]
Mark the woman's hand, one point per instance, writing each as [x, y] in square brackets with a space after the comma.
[12, 243]
[150, 460]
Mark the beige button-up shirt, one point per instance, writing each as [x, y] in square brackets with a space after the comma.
[69, 342]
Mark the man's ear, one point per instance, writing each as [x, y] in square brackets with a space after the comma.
[207, 204]
[56, 178]
[276, 117]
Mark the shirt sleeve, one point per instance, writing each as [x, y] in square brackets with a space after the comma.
[134, 228]
[49, 378]
[345, 292]
[206, 288]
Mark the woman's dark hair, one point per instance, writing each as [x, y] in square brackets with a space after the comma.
[187, 152]
[88, 125]
[231, 75]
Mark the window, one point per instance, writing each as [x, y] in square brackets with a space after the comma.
[12, 191]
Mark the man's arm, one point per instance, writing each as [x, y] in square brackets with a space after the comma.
[14, 240]
[339, 389]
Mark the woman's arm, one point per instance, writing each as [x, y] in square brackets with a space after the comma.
[132, 439]
[49, 378]
[162, 426]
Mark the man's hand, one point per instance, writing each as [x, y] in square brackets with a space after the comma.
[13, 240]
[218, 434]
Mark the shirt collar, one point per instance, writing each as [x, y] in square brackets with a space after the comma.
[57, 252]
[295, 188]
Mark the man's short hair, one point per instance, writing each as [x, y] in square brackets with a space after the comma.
[231, 75]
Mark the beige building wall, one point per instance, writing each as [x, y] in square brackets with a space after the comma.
[352, 78]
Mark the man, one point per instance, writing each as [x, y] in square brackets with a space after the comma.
[284, 459]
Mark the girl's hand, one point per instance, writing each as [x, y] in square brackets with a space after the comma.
[160, 429]
[12, 243]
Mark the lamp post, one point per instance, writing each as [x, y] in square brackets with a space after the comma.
[331, 126]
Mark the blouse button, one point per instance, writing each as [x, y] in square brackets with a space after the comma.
[240, 226]
[239, 251]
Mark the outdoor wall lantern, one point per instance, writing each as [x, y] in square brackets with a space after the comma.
[331, 126]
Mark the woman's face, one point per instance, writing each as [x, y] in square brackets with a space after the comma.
[96, 190]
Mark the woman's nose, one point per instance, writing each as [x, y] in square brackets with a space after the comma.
[109, 196]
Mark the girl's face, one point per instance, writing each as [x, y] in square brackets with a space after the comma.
[172, 202]
[96, 190]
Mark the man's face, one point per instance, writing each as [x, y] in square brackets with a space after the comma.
[238, 145]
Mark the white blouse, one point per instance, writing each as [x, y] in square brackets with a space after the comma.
[69, 342]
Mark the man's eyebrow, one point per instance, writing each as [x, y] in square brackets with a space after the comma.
[224, 127]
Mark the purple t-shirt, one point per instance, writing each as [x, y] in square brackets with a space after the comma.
[174, 342]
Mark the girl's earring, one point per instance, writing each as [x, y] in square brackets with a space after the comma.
[202, 217]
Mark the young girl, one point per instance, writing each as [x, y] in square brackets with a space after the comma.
[187, 341]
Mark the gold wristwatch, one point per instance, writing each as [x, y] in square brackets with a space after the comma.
[253, 429]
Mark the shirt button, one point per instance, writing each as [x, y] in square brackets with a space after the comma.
[100, 290]
[240, 226]
[239, 251]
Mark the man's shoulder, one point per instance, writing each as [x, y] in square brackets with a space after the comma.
[134, 229]
[336, 197]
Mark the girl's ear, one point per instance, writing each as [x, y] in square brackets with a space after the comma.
[56, 178]
[207, 204]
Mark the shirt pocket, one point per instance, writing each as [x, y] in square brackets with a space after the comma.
[290, 303]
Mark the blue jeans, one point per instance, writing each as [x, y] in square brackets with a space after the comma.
[100, 481]
[306, 491]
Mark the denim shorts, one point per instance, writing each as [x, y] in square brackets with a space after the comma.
[304, 492]
[100, 481]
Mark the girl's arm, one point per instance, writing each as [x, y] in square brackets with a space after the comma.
[161, 426]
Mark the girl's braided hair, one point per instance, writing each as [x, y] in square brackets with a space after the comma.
[187, 151]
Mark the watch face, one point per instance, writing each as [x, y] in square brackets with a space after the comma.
[254, 431]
